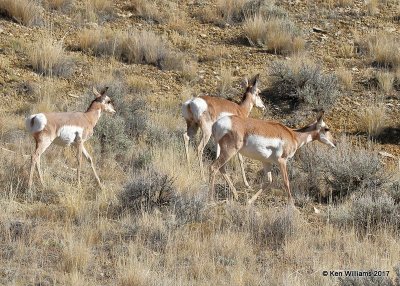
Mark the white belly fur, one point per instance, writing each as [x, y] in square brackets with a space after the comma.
[68, 135]
[262, 149]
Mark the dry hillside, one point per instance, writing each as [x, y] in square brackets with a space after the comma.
[152, 224]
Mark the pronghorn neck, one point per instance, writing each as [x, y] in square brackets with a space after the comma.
[93, 113]
[247, 104]
[303, 137]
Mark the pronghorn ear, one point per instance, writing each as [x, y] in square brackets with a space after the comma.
[320, 115]
[96, 93]
[104, 90]
[319, 118]
[245, 83]
[254, 83]
[255, 80]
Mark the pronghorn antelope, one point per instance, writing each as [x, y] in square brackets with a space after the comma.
[67, 128]
[203, 111]
[266, 141]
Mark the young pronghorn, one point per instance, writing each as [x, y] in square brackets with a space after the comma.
[203, 111]
[67, 128]
[266, 141]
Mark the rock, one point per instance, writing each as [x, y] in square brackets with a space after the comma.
[203, 35]
[386, 154]
[319, 30]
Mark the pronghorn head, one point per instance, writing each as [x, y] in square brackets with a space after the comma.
[253, 91]
[104, 100]
[322, 129]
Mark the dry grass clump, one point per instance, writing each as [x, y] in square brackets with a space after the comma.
[213, 54]
[225, 84]
[149, 10]
[94, 11]
[233, 11]
[385, 81]
[305, 82]
[278, 35]
[383, 49]
[25, 12]
[142, 47]
[47, 56]
[372, 7]
[346, 50]
[372, 119]
[345, 77]
[61, 5]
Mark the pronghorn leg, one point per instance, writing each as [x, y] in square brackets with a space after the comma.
[186, 139]
[267, 167]
[80, 149]
[204, 140]
[227, 152]
[89, 158]
[282, 166]
[241, 162]
[41, 146]
[229, 181]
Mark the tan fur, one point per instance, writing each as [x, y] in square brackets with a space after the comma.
[57, 120]
[233, 141]
[215, 107]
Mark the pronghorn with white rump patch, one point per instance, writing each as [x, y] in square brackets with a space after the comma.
[266, 141]
[201, 112]
[67, 128]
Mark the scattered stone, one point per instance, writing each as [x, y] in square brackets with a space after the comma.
[319, 30]
[203, 35]
[386, 154]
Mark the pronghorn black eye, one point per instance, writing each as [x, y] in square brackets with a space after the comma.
[326, 129]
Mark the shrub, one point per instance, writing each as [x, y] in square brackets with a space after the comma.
[110, 132]
[372, 119]
[350, 168]
[190, 208]
[305, 82]
[345, 170]
[146, 190]
[277, 35]
[25, 12]
[47, 56]
[373, 209]
[366, 281]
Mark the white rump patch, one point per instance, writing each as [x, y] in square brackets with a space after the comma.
[68, 134]
[223, 114]
[38, 124]
[221, 127]
[185, 110]
[262, 148]
[198, 106]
